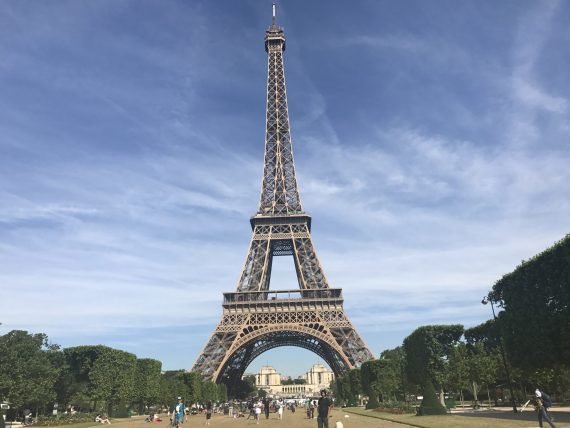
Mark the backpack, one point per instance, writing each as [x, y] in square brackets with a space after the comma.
[546, 400]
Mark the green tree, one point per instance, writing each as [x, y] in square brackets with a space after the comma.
[427, 350]
[209, 391]
[370, 375]
[113, 379]
[76, 385]
[458, 370]
[222, 392]
[171, 386]
[535, 321]
[27, 375]
[147, 383]
[244, 388]
[393, 382]
[194, 387]
[355, 383]
[483, 367]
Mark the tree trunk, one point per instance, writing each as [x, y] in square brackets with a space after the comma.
[489, 396]
[461, 397]
[441, 396]
[475, 394]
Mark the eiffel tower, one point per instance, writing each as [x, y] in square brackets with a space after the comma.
[255, 318]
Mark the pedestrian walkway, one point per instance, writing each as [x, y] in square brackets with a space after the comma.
[290, 420]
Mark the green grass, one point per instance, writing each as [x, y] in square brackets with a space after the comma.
[444, 421]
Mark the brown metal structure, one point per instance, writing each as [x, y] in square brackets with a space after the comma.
[256, 319]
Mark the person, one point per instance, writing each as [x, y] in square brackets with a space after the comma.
[251, 409]
[104, 419]
[543, 403]
[257, 409]
[208, 412]
[323, 406]
[280, 410]
[178, 412]
[266, 407]
[27, 417]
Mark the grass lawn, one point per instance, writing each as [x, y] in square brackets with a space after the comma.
[444, 421]
[94, 424]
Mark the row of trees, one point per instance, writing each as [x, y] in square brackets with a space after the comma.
[439, 360]
[532, 330]
[36, 374]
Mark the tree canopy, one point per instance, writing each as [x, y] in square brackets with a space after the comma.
[535, 298]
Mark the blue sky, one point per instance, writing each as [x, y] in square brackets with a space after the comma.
[431, 143]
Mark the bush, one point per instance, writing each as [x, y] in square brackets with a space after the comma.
[396, 407]
[49, 421]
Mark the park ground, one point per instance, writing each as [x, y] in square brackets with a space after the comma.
[360, 418]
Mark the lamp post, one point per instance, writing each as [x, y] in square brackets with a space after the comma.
[486, 300]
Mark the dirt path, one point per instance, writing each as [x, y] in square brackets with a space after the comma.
[290, 420]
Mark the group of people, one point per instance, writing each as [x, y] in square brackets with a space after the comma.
[256, 408]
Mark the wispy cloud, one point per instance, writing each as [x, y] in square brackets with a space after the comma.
[131, 150]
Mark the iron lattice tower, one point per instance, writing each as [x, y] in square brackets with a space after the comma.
[256, 319]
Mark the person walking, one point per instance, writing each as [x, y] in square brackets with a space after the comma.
[257, 409]
[178, 413]
[323, 407]
[208, 412]
[266, 407]
[280, 410]
[543, 403]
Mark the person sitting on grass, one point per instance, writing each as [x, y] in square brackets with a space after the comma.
[104, 419]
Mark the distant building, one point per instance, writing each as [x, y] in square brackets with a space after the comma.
[318, 377]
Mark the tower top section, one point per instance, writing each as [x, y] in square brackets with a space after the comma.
[279, 194]
[274, 35]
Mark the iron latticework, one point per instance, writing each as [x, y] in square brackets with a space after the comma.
[256, 319]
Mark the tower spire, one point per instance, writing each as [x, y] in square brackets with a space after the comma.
[273, 19]
[279, 193]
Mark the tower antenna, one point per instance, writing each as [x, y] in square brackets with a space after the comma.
[273, 19]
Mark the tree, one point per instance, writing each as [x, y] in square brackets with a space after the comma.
[172, 385]
[27, 375]
[427, 350]
[76, 384]
[244, 388]
[209, 391]
[222, 392]
[355, 384]
[391, 384]
[147, 383]
[483, 368]
[370, 378]
[458, 369]
[535, 322]
[194, 387]
[113, 378]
